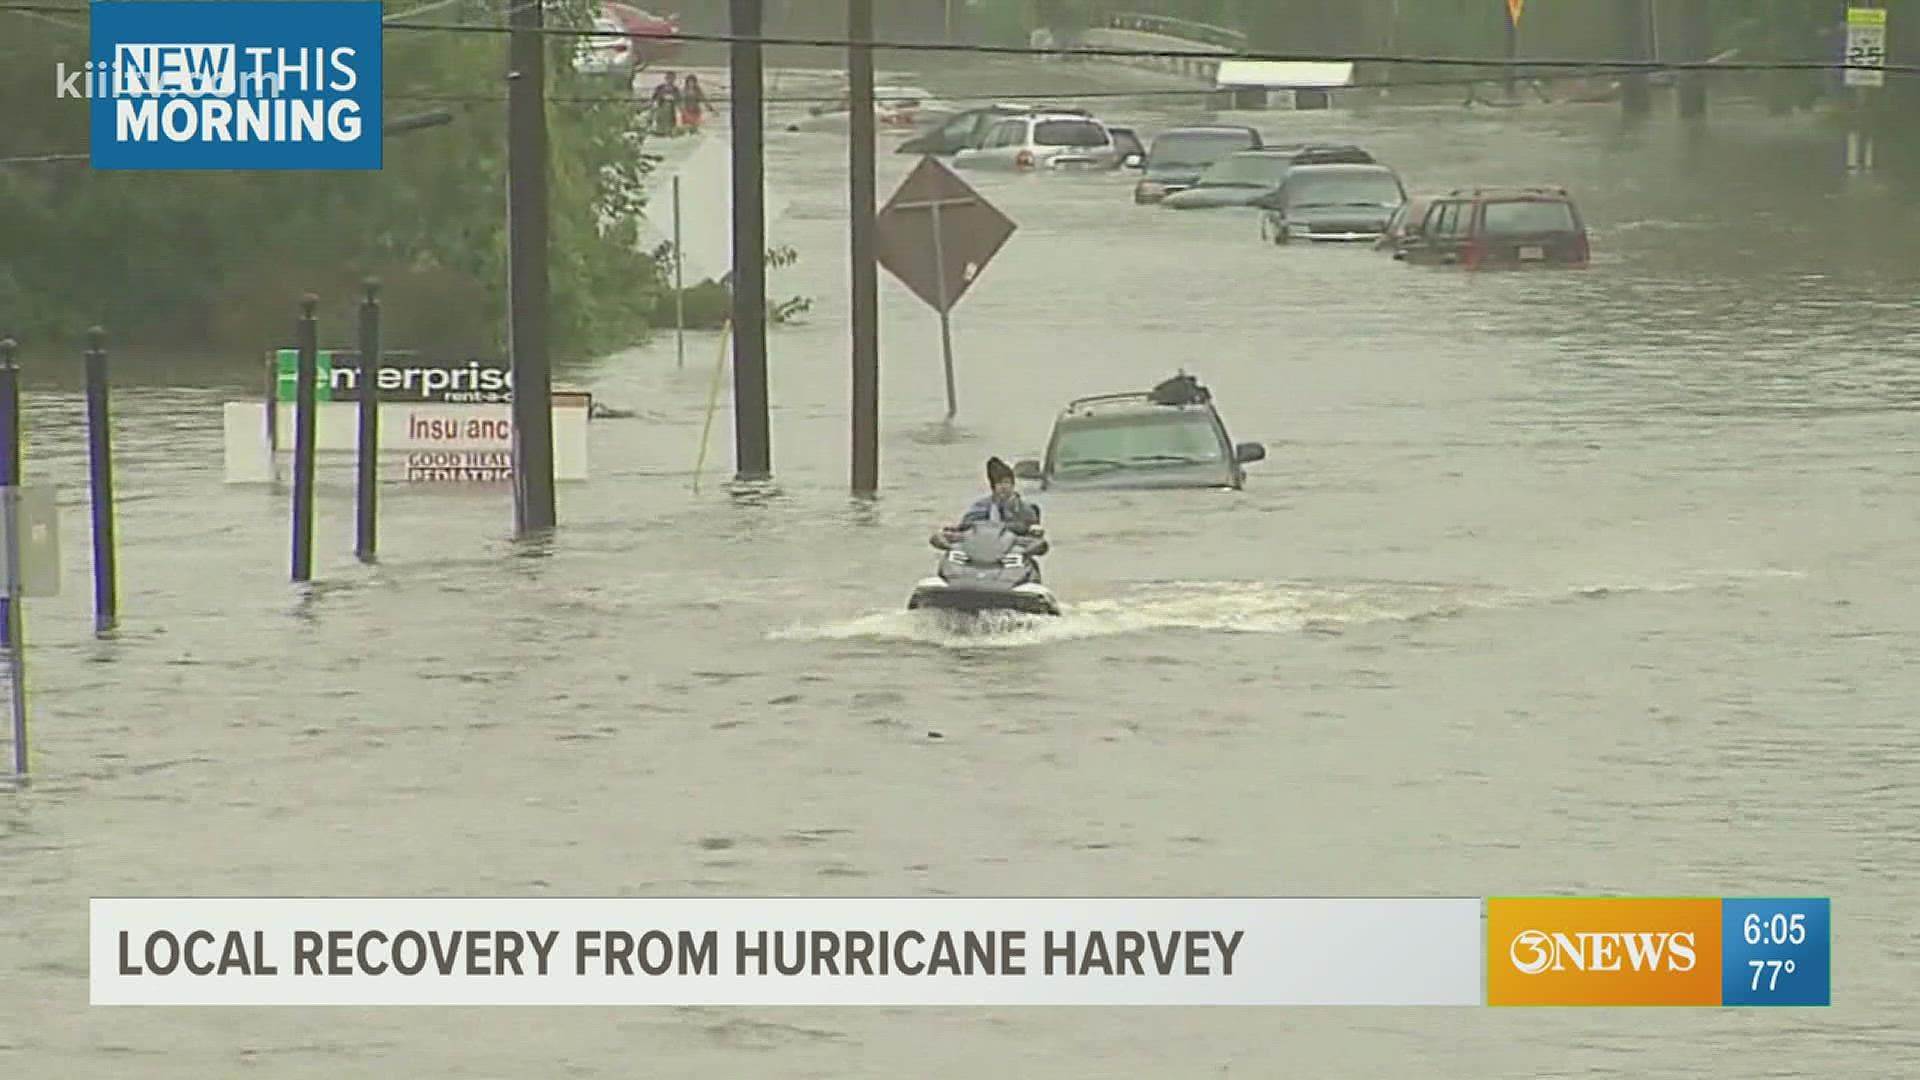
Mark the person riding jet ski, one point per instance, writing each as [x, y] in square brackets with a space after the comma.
[1002, 505]
[992, 560]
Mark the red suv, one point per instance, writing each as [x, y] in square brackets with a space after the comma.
[1481, 227]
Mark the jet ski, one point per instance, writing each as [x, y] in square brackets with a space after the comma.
[985, 567]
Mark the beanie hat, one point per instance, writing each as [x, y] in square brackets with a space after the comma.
[997, 471]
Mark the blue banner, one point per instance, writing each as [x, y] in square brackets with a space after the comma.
[235, 84]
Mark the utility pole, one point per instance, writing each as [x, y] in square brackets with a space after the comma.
[753, 452]
[1635, 98]
[1513, 46]
[1696, 34]
[527, 284]
[866, 267]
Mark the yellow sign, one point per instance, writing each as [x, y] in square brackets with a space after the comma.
[1514, 6]
[1856, 16]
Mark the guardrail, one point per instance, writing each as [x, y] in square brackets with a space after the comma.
[1168, 26]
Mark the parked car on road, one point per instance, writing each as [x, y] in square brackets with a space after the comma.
[608, 55]
[1167, 437]
[1244, 177]
[1332, 203]
[967, 129]
[625, 40]
[1178, 157]
[895, 107]
[1484, 227]
[1043, 141]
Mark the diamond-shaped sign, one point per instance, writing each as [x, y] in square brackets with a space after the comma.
[971, 233]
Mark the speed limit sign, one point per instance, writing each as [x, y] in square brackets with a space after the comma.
[1866, 46]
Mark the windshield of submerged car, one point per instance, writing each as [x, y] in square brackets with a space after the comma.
[1248, 170]
[1182, 438]
[1343, 189]
[1528, 217]
[1195, 150]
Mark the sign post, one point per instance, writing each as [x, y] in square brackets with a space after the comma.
[1513, 40]
[940, 259]
[1866, 58]
[30, 532]
[1866, 46]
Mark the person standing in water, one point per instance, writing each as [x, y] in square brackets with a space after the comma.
[693, 103]
[666, 105]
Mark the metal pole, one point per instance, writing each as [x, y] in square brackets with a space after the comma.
[1696, 35]
[273, 416]
[753, 451]
[1636, 99]
[371, 363]
[303, 431]
[9, 459]
[946, 303]
[533, 495]
[15, 642]
[1513, 49]
[866, 269]
[679, 286]
[100, 474]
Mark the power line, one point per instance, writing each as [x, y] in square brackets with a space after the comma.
[1186, 54]
[1139, 54]
[960, 104]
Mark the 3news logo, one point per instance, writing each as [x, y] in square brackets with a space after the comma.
[1536, 951]
[1603, 951]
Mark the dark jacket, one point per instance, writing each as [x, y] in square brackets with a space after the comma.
[1014, 512]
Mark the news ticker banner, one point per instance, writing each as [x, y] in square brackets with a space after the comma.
[951, 951]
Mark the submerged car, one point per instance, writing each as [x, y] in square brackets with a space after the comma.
[1178, 157]
[967, 129]
[1332, 203]
[1043, 141]
[1484, 227]
[1245, 177]
[1167, 437]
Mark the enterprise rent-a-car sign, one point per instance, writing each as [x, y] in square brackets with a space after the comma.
[235, 84]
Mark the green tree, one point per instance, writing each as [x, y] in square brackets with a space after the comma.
[217, 261]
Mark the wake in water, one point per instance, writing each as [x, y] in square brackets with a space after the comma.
[1235, 607]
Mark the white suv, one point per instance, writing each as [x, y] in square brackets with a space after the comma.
[1043, 140]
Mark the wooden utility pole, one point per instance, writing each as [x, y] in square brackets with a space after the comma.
[527, 282]
[866, 267]
[753, 450]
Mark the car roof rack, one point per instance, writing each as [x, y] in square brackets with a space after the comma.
[1177, 392]
[1034, 107]
[1097, 399]
[1532, 189]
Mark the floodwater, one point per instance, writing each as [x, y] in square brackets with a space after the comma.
[1551, 583]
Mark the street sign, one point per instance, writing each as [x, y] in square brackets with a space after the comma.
[37, 524]
[1866, 46]
[937, 234]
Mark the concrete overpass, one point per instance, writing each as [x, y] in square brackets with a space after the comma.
[1160, 33]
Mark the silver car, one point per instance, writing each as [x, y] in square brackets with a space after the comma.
[1044, 141]
[607, 55]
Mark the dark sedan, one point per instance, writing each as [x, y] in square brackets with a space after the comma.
[1244, 178]
[1332, 202]
[1178, 157]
